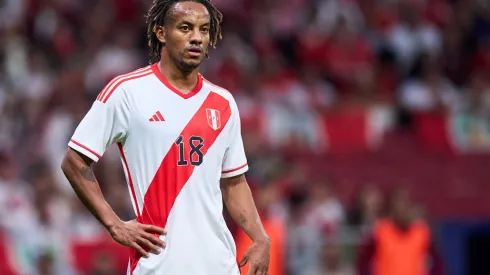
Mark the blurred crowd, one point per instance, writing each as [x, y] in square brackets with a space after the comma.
[288, 63]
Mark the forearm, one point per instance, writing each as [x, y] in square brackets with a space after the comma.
[82, 179]
[240, 204]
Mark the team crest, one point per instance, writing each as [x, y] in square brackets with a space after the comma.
[214, 120]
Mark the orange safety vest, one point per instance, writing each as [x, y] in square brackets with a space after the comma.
[277, 232]
[400, 252]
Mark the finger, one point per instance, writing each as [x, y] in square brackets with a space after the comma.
[152, 238]
[153, 229]
[139, 249]
[244, 260]
[149, 245]
[262, 270]
[252, 270]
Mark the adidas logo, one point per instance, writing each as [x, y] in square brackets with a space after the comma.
[157, 117]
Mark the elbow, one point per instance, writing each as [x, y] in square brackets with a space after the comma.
[65, 164]
[70, 161]
[73, 160]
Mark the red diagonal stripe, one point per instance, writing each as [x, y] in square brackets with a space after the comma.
[171, 178]
[155, 117]
[160, 116]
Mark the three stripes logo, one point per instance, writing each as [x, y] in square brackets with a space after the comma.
[157, 117]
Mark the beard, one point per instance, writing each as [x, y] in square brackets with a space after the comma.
[187, 65]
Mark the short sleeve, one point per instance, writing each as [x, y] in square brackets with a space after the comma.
[104, 124]
[235, 161]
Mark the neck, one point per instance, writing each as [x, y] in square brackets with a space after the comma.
[185, 81]
[402, 224]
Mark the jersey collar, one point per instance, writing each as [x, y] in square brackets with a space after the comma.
[194, 91]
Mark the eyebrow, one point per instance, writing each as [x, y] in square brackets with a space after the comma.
[192, 24]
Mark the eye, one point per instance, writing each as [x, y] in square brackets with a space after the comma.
[185, 28]
[205, 29]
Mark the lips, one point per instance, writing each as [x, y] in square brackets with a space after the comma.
[194, 51]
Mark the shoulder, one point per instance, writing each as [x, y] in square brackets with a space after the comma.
[382, 222]
[120, 85]
[219, 90]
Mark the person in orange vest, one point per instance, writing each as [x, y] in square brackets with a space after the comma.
[400, 244]
[272, 215]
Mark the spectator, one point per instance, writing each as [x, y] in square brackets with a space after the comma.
[348, 59]
[431, 91]
[304, 239]
[331, 261]
[400, 244]
[325, 210]
[413, 35]
[367, 208]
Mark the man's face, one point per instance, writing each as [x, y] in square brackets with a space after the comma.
[402, 208]
[186, 34]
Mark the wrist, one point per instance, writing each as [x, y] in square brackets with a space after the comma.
[265, 239]
[110, 225]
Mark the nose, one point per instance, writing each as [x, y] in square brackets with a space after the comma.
[196, 37]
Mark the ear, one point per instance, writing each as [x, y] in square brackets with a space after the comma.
[160, 32]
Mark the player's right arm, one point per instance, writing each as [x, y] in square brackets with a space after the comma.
[105, 123]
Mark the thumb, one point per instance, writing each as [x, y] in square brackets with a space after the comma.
[244, 260]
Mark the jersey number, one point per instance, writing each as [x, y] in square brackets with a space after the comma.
[195, 155]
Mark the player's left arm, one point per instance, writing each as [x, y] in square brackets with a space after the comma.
[239, 201]
[240, 204]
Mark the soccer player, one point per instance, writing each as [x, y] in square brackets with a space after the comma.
[182, 152]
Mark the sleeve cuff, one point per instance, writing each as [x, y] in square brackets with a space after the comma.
[235, 171]
[84, 150]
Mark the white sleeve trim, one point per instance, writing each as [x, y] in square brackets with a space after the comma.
[234, 172]
[84, 150]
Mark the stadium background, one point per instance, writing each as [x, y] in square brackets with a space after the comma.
[342, 102]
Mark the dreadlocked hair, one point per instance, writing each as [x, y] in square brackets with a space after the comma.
[158, 13]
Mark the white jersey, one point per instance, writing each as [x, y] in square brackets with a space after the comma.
[174, 148]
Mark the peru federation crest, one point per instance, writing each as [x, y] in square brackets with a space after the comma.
[214, 120]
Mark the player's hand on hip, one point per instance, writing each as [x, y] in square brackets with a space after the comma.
[258, 258]
[138, 236]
